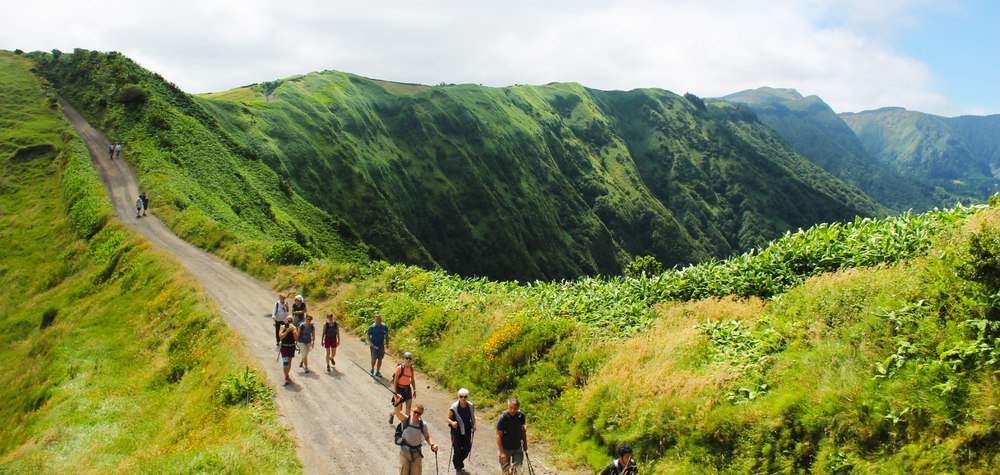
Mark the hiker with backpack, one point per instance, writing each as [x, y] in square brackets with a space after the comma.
[378, 339]
[307, 332]
[624, 464]
[408, 435]
[138, 207]
[111, 152]
[331, 340]
[118, 151]
[299, 310]
[278, 315]
[145, 202]
[462, 419]
[512, 437]
[289, 334]
[404, 387]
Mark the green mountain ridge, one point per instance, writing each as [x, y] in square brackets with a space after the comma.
[819, 134]
[924, 146]
[534, 182]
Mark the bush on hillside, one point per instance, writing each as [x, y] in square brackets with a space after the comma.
[643, 266]
[132, 94]
[287, 253]
[244, 388]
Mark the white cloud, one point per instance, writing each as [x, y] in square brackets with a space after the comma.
[837, 49]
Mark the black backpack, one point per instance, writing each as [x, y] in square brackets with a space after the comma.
[401, 427]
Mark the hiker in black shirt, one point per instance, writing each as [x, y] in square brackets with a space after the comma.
[624, 464]
[462, 419]
[512, 437]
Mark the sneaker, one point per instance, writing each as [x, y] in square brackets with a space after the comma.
[307, 370]
[288, 381]
[327, 368]
[378, 375]
[334, 363]
[390, 418]
[300, 364]
[371, 372]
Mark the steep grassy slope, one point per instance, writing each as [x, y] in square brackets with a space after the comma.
[922, 146]
[211, 190]
[981, 134]
[534, 182]
[816, 132]
[112, 358]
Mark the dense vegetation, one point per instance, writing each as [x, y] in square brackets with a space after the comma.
[533, 182]
[923, 146]
[209, 189]
[981, 134]
[816, 132]
[113, 362]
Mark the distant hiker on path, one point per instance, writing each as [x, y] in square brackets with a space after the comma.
[307, 331]
[298, 310]
[278, 315]
[289, 334]
[118, 151]
[138, 207]
[111, 152]
[404, 387]
[378, 338]
[624, 464]
[331, 340]
[462, 419]
[145, 202]
[512, 437]
[410, 431]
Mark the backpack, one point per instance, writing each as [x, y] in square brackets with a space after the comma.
[399, 432]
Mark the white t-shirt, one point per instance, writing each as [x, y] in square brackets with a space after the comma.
[280, 311]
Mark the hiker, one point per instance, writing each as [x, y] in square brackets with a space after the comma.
[145, 202]
[298, 310]
[378, 339]
[404, 387]
[278, 315]
[306, 341]
[289, 334]
[410, 431]
[111, 152]
[512, 437]
[624, 464]
[118, 151]
[331, 340]
[462, 419]
[138, 207]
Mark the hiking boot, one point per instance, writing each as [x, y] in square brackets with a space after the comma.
[327, 368]
[300, 364]
[378, 375]
[371, 372]
[390, 418]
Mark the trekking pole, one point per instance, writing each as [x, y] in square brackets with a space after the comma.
[376, 379]
[436, 463]
[531, 470]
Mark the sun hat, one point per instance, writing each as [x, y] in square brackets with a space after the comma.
[298, 297]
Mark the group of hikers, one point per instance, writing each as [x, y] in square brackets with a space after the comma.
[294, 329]
[114, 151]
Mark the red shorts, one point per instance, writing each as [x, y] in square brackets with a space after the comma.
[288, 351]
[329, 342]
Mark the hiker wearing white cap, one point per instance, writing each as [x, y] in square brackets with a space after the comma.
[405, 387]
[462, 419]
[298, 310]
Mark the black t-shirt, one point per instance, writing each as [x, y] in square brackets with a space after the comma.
[511, 428]
[465, 413]
[615, 469]
[289, 339]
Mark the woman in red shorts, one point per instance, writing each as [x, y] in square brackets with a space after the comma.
[331, 340]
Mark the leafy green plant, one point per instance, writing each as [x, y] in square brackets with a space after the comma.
[643, 266]
[244, 388]
[287, 252]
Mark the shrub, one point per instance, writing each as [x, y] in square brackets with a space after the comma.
[984, 258]
[287, 253]
[132, 94]
[643, 266]
[244, 388]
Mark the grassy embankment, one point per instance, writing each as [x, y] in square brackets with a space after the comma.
[113, 359]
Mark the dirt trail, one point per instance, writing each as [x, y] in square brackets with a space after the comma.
[338, 419]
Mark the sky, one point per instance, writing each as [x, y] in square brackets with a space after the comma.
[936, 56]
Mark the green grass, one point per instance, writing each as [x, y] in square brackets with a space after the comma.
[122, 375]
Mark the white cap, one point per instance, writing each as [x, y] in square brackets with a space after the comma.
[463, 392]
[298, 297]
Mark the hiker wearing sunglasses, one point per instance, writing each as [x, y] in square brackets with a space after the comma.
[462, 419]
[404, 387]
[408, 435]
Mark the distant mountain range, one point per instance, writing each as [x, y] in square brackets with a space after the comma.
[902, 159]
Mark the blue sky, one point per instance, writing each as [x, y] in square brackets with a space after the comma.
[937, 56]
[962, 47]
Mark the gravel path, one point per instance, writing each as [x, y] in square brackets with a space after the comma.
[338, 419]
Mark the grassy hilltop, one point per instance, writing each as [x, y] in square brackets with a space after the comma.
[113, 361]
[532, 182]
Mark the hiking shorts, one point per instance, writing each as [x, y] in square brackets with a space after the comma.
[329, 342]
[515, 457]
[287, 353]
[304, 349]
[405, 392]
[377, 353]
